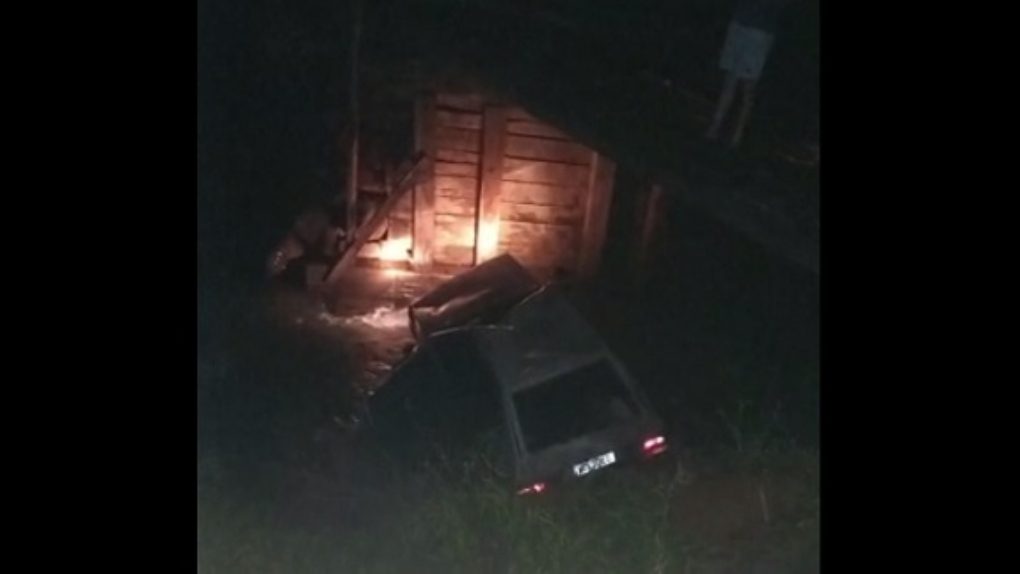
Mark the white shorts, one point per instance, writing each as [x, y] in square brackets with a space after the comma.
[745, 51]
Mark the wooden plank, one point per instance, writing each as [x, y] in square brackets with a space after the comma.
[366, 231]
[461, 101]
[456, 139]
[540, 245]
[530, 171]
[457, 169]
[515, 232]
[355, 120]
[456, 156]
[542, 266]
[526, 147]
[541, 194]
[403, 212]
[460, 255]
[454, 230]
[493, 142]
[404, 208]
[462, 225]
[532, 128]
[459, 120]
[596, 216]
[453, 205]
[399, 227]
[543, 214]
[455, 186]
[424, 193]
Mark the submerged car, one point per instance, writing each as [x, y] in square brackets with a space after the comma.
[503, 359]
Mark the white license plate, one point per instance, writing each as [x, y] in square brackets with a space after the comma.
[596, 463]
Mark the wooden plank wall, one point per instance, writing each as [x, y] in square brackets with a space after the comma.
[458, 147]
[490, 189]
[545, 178]
[542, 197]
[424, 204]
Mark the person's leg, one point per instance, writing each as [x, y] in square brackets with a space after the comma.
[725, 101]
[745, 111]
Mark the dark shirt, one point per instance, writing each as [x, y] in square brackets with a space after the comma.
[760, 14]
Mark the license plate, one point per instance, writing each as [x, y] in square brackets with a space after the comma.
[596, 463]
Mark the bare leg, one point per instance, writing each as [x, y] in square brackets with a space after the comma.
[725, 101]
[745, 112]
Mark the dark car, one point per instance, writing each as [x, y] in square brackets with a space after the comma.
[504, 360]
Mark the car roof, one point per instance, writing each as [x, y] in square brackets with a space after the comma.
[541, 337]
[537, 335]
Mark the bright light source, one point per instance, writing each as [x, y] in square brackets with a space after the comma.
[654, 442]
[534, 488]
[396, 249]
[654, 445]
[488, 240]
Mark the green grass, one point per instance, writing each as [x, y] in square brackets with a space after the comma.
[459, 518]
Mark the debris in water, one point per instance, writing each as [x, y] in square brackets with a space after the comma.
[331, 320]
[385, 317]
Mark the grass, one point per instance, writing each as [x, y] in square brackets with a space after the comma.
[753, 497]
[461, 518]
[750, 497]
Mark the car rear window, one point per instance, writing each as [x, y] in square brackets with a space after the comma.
[566, 407]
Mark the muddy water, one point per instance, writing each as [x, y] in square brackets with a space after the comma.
[368, 323]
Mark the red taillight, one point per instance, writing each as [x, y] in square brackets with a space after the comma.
[654, 445]
[534, 488]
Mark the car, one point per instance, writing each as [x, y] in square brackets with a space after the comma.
[506, 361]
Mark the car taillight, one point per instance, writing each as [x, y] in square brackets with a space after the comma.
[536, 488]
[654, 445]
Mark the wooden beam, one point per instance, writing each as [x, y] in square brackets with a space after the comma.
[531, 171]
[490, 190]
[424, 192]
[367, 229]
[352, 165]
[596, 214]
[545, 149]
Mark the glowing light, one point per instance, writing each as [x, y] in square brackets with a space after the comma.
[385, 317]
[396, 249]
[534, 488]
[654, 445]
[653, 442]
[488, 240]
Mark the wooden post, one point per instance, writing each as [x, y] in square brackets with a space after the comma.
[649, 216]
[596, 213]
[424, 192]
[491, 183]
[352, 175]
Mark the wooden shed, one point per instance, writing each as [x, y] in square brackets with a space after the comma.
[497, 180]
